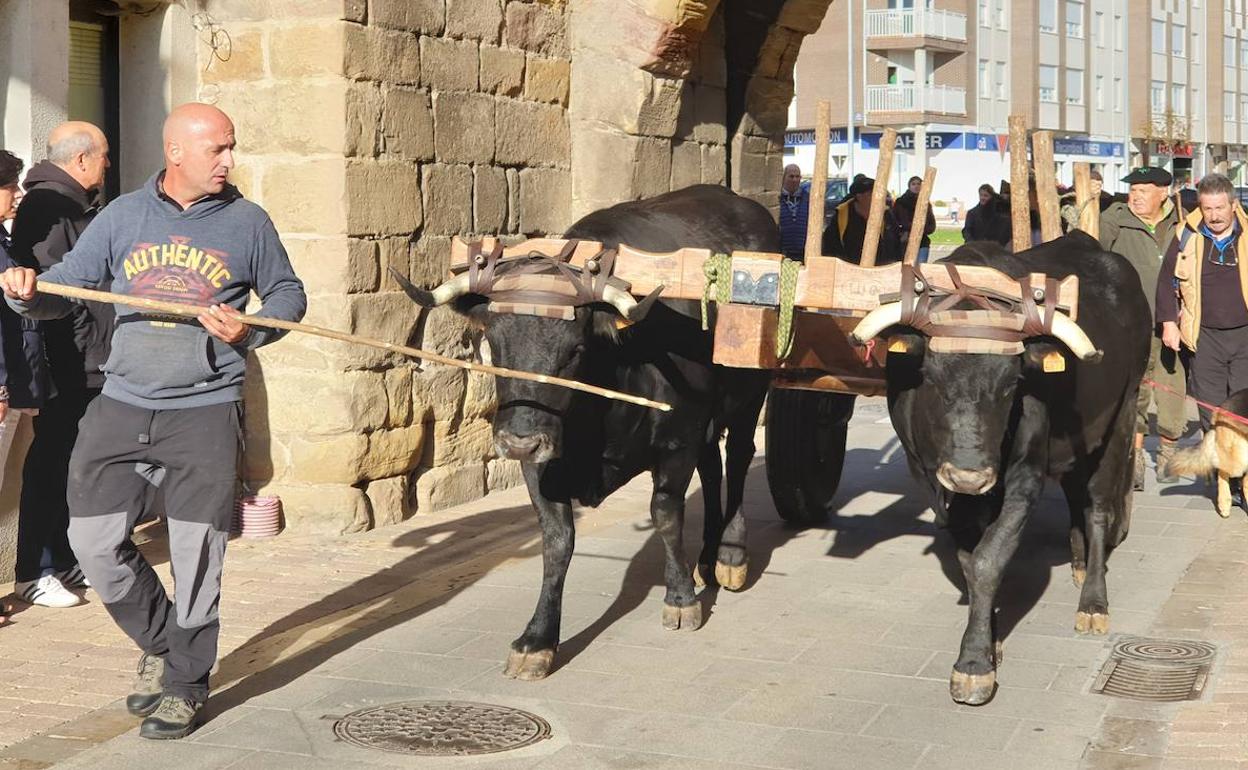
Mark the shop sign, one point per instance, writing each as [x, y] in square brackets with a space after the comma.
[1173, 150]
[806, 137]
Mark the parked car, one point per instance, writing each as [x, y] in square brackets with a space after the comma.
[835, 192]
[1242, 194]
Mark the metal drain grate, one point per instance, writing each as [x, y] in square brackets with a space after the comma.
[442, 728]
[1156, 669]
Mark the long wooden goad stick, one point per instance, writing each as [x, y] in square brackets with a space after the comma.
[194, 311]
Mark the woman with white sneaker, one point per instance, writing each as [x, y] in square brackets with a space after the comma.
[24, 385]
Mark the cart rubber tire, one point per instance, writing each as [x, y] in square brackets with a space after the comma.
[806, 432]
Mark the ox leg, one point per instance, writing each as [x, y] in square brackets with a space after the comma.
[533, 653]
[1108, 492]
[1076, 500]
[733, 560]
[711, 474]
[667, 510]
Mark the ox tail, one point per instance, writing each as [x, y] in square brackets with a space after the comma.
[1199, 460]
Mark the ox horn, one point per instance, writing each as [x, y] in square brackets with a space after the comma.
[875, 322]
[629, 308]
[1074, 338]
[449, 290]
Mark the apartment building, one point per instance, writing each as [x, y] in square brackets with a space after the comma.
[1119, 82]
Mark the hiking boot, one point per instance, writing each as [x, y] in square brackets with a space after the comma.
[1137, 483]
[175, 717]
[47, 591]
[1165, 453]
[148, 688]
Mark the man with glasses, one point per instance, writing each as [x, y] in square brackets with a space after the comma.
[1141, 230]
[1202, 296]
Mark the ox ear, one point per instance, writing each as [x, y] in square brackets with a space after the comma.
[1045, 358]
[606, 323]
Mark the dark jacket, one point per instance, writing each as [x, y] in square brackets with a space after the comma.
[903, 209]
[794, 216]
[52, 216]
[1122, 232]
[23, 368]
[989, 222]
[845, 233]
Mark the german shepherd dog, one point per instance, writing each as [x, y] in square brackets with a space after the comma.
[1224, 450]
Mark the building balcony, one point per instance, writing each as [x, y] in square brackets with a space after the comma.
[909, 28]
[888, 105]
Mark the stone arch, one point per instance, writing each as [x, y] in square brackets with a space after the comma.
[667, 93]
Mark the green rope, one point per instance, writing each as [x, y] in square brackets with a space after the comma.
[718, 286]
[789, 271]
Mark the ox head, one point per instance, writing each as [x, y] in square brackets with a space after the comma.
[960, 407]
[559, 340]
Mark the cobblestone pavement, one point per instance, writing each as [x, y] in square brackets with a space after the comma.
[836, 655]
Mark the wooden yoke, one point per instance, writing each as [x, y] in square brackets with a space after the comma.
[1020, 206]
[1046, 185]
[920, 217]
[819, 181]
[1089, 209]
[875, 220]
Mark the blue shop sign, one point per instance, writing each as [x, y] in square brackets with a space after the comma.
[1086, 147]
[807, 137]
[936, 140]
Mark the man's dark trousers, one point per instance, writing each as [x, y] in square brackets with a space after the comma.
[43, 516]
[197, 448]
[1219, 368]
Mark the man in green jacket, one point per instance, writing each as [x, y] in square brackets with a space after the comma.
[1141, 230]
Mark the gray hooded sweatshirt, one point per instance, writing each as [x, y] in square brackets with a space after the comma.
[217, 250]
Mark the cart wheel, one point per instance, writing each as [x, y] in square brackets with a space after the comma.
[806, 433]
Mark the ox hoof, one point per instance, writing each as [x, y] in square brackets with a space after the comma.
[1078, 575]
[688, 618]
[1091, 623]
[529, 666]
[972, 689]
[1223, 512]
[699, 580]
[729, 577]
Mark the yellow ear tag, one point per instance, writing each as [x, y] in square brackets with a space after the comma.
[898, 346]
[622, 323]
[1054, 362]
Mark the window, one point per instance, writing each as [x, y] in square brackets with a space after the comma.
[1074, 86]
[1117, 94]
[1074, 18]
[1157, 97]
[1002, 81]
[985, 14]
[1228, 105]
[1159, 36]
[1048, 15]
[1048, 83]
[1120, 32]
[1243, 108]
[1178, 99]
[1178, 40]
[1098, 29]
[1100, 92]
[1002, 21]
[1228, 51]
[1243, 53]
[985, 87]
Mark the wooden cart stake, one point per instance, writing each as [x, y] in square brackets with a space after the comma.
[1046, 185]
[1020, 202]
[875, 220]
[920, 217]
[194, 311]
[818, 182]
[1089, 206]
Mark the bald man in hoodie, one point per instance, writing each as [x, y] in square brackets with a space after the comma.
[171, 405]
[62, 197]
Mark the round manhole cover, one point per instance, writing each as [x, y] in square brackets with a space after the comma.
[442, 728]
[1162, 651]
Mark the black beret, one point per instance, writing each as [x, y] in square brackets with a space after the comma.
[1149, 175]
[861, 184]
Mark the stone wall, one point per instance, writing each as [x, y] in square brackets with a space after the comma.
[374, 131]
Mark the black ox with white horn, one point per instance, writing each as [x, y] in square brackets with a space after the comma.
[982, 432]
[578, 448]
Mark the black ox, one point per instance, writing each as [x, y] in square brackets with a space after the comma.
[580, 448]
[983, 432]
